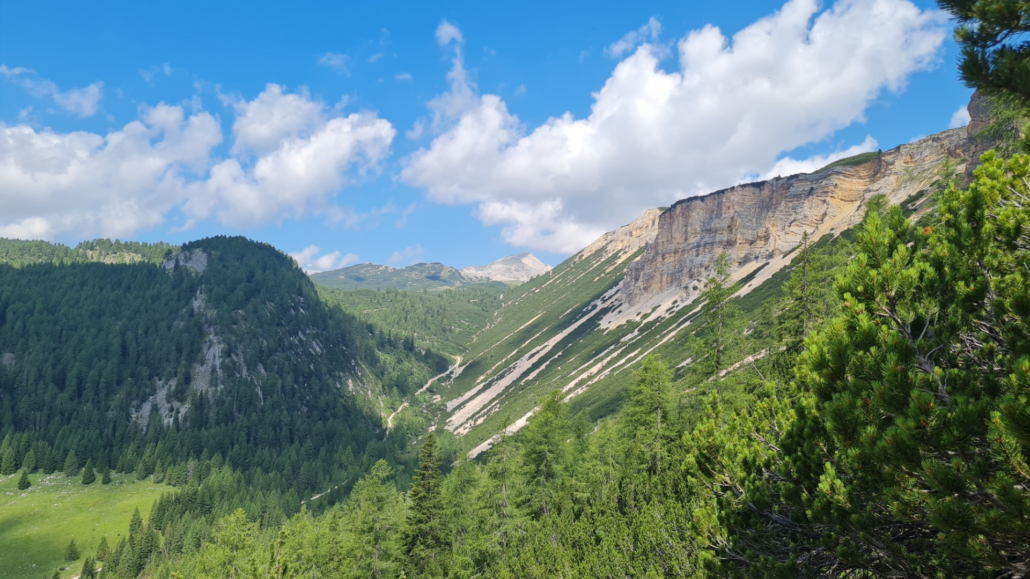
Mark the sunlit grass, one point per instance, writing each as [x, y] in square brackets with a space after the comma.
[37, 524]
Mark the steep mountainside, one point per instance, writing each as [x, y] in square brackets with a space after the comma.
[586, 324]
[223, 348]
[517, 268]
[421, 276]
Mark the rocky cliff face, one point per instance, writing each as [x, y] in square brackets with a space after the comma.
[626, 239]
[760, 223]
[520, 267]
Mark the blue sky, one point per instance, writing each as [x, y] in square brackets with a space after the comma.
[457, 132]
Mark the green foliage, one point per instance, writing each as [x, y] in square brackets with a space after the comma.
[20, 253]
[23, 480]
[994, 57]
[71, 464]
[89, 569]
[859, 159]
[418, 277]
[105, 477]
[72, 552]
[445, 321]
[103, 550]
[89, 476]
[423, 537]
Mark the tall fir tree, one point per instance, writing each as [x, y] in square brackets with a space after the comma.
[71, 464]
[23, 481]
[424, 536]
[89, 476]
[71, 553]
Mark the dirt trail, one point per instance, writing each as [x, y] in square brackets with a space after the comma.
[389, 419]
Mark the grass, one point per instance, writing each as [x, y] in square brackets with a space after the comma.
[37, 524]
[858, 159]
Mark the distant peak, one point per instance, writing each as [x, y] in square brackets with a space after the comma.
[520, 267]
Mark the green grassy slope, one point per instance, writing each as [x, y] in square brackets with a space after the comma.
[446, 321]
[548, 335]
[37, 524]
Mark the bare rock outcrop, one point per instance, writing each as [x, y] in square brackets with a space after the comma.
[759, 223]
[627, 239]
[520, 267]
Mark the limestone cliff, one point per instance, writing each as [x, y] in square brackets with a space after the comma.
[758, 224]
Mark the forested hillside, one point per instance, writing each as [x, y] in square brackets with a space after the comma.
[221, 362]
[18, 253]
[445, 321]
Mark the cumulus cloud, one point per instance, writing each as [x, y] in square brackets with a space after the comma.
[646, 33]
[402, 76]
[290, 155]
[960, 118]
[115, 185]
[83, 102]
[406, 256]
[788, 166]
[654, 136]
[309, 260]
[303, 155]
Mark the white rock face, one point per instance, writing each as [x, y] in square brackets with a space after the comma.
[514, 268]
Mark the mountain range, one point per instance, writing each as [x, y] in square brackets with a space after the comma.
[511, 270]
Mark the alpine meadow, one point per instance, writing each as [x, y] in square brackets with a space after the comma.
[809, 368]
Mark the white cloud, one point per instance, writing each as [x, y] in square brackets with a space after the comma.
[291, 155]
[406, 256]
[788, 166]
[447, 32]
[402, 76]
[375, 57]
[653, 137]
[646, 33]
[415, 133]
[84, 102]
[335, 61]
[308, 261]
[304, 155]
[960, 118]
[83, 184]
[521, 90]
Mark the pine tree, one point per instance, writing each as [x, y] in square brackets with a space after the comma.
[799, 304]
[994, 57]
[72, 552]
[424, 537]
[105, 478]
[51, 464]
[544, 452]
[375, 517]
[29, 462]
[103, 549]
[89, 569]
[719, 313]
[9, 464]
[23, 482]
[71, 464]
[88, 474]
[649, 414]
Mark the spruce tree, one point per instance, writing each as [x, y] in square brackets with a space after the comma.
[29, 462]
[103, 549]
[424, 537]
[649, 415]
[544, 453]
[105, 478]
[71, 464]
[9, 464]
[88, 474]
[72, 552]
[719, 313]
[89, 569]
[23, 482]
